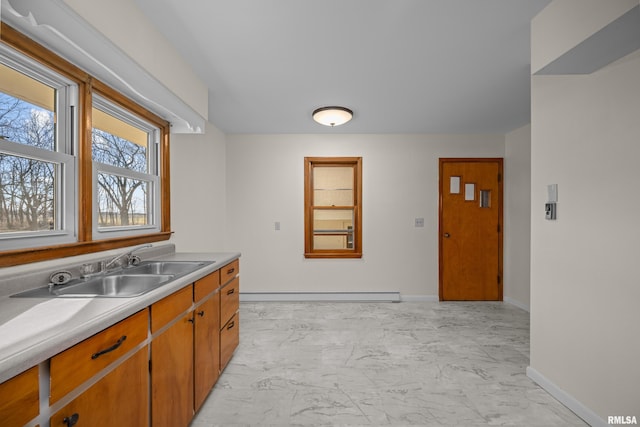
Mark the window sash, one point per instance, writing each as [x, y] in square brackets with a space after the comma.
[65, 194]
[152, 203]
[65, 204]
[117, 116]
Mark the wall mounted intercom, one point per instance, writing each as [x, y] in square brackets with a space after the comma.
[550, 209]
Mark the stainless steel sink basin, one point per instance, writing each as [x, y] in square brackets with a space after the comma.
[120, 285]
[130, 282]
[165, 267]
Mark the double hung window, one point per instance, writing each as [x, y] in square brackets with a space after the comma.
[333, 207]
[82, 167]
[125, 171]
[37, 162]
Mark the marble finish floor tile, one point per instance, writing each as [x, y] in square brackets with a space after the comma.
[381, 364]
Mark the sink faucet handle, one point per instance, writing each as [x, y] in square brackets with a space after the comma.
[134, 260]
[60, 277]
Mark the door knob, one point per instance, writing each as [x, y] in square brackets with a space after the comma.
[447, 235]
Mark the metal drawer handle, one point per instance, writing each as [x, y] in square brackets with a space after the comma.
[231, 270]
[231, 325]
[201, 313]
[72, 420]
[230, 291]
[110, 349]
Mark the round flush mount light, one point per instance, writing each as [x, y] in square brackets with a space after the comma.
[332, 116]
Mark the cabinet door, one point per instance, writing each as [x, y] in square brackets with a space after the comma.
[172, 375]
[121, 398]
[19, 400]
[207, 347]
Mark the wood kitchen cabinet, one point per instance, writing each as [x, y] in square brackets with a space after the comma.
[172, 360]
[229, 315]
[154, 368]
[19, 400]
[206, 336]
[119, 399]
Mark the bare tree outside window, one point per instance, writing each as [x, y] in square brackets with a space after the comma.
[122, 200]
[27, 185]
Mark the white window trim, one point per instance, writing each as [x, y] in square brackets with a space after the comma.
[152, 177]
[67, 96]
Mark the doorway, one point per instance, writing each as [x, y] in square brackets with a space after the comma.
[470, 226]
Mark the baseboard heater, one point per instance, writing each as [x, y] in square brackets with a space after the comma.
[320, 296]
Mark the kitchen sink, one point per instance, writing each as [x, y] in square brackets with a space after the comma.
[120, 285]
[129, 282]
[164, 267]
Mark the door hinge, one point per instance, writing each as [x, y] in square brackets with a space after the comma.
[499, 228]
[499, 177]
[499, 279]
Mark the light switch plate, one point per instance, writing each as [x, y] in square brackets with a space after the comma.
[552, 193]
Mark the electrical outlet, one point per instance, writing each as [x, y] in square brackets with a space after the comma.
[276, 225]
[419, 222]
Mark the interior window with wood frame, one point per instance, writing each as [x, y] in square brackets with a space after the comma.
[333, 207]
[83, 168]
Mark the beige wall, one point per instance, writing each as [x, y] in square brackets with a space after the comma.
[400, 183]
[198, 188]
[517, 216]
[584, 275]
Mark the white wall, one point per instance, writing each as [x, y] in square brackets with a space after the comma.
[198, 203]
[400, 183]
[563, 24]
[584, 267]
[517, 216]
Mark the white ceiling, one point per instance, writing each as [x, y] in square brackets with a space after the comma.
[402, 66]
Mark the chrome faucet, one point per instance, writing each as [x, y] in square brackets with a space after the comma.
[104, 266]
[128, 254]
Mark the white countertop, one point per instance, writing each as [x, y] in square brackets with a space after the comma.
[34, 329]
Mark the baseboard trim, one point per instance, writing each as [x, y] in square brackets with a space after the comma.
[566, 399]
[420, 298]
[320, 296]
[517, 304]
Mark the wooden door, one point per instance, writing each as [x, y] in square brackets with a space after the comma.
[470, 242]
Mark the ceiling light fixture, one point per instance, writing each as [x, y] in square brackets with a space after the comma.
[332, 116]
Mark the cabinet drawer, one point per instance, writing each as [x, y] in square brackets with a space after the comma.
[206, 285]
[229, 271]
[170, 307]
[229, 300]
[19, 402]
[74, 366]
[229, 340]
